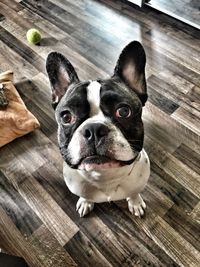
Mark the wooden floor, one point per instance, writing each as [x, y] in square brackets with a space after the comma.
[38, 220]
[185, 9]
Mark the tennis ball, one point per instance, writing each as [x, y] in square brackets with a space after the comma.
[33, 36]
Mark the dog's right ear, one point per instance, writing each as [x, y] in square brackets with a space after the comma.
[61, 74]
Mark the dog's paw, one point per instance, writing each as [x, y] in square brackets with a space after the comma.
[136, 205]
[84, 207]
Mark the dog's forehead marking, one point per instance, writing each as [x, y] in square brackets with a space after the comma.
[93, 97]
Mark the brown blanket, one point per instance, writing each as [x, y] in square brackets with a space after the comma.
[15, 120]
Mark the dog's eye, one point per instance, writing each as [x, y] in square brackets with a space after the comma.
[66, 117]
[123, 112]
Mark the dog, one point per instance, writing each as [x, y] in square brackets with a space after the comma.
[100, 130]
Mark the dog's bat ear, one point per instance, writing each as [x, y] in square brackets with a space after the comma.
[61, 74]
[130, 68]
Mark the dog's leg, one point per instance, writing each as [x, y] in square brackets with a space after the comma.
[84, 206]
[136, 205]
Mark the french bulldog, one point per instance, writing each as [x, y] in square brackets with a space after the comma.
[100, 130]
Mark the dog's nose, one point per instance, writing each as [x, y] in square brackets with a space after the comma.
[94, 132]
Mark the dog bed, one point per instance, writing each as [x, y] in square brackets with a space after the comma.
[15, 119]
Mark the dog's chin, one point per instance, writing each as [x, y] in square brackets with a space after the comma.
[97, 162]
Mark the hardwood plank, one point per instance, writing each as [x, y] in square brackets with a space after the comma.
[49, 44]
[190, 119]
[19, 31]
[162, 102]
[153, 196]
[13, 5]
[49, 250]
[137, 232]
[160, 131]
[44, 206]
[194, 96]
[9, 12]
[195, 214]
[39, 143]
[23, 151]
[188, 10]
[11, 60]
[176, 192]
[184, 224]
[23, 50]
[191, 161]
[84, 252]
[168, 239]
[107, 14]
[176, 169]
[17, 209]
[12, 241]
[88, 52]
[51, 13]
[181, 251]
[48, 210]
[173, 92]
[189, 59]
[166, 25]
[176, 81]
[166, 131]
[43, 25]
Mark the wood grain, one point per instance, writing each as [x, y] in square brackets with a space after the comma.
[38, 220]
[13, 241]
[49, 249]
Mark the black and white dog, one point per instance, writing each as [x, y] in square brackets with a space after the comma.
[100, 130]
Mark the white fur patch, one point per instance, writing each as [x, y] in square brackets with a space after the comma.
[93, 97]
[112, 184]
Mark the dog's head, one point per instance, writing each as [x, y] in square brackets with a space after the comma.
[99, 122]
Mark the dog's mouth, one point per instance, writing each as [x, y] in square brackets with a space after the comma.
[97, 162]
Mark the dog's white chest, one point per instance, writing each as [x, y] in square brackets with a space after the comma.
[109, 185]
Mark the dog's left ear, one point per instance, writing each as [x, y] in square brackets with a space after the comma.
[61, 74]
[130, 68]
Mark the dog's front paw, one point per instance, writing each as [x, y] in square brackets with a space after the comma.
[84, 206]
[136, 205]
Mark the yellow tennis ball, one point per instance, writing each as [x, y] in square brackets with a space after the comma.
[33, 36]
